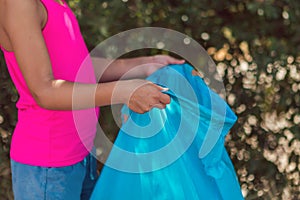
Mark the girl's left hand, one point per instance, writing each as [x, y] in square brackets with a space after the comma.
[159, 61]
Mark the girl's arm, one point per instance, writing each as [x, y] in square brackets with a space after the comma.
[140, 67]
[23, 23]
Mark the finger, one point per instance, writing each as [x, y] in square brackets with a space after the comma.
[181, 61]
[125, 118]
[160, 106]
[164, 98]
[138, 107]
[176, 61]
[161, 89]
[138, 110]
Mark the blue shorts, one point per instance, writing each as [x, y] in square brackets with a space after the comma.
[75, 182]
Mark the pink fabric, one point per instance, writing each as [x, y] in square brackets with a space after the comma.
[53, 138]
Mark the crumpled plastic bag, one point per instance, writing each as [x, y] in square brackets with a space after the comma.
[176, 153]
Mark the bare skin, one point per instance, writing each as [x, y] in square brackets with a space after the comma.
[21, 23]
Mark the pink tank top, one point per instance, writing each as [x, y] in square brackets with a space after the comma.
[53, 138]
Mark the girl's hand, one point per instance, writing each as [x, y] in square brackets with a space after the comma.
[140, 95]
[159, 61]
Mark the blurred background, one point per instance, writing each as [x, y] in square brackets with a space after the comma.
[256, 47]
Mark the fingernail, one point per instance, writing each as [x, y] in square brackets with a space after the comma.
[165, 89]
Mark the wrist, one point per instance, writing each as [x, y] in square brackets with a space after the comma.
[148, 67]
[122, 91]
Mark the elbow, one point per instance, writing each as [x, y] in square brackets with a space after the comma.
[43, 100]
[45, 94]
[45, 105]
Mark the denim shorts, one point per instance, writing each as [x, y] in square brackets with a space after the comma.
[75, 182]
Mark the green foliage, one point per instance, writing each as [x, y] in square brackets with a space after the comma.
[8, 116]
[255, 44]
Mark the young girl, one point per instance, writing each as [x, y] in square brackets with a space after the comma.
[44, 49]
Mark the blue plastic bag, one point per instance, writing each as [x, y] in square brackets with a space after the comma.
[176, 153]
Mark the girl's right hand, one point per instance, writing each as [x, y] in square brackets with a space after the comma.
[141, 95]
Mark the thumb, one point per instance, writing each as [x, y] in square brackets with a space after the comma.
[161, 88]
[176, 61]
